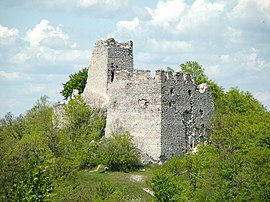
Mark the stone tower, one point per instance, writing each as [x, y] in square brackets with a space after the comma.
[167, 114]
[107, 57]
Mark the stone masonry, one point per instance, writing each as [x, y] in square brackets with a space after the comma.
[167, 114]
[107, 57]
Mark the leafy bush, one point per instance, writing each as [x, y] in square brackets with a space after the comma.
[107, 191]
[119, 153]
[36, 181]
[84, 125]
[165, 188]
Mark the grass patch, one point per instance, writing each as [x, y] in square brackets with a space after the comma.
[116, 186]
[133, 183]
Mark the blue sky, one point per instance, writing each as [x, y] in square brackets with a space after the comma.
[43, 42]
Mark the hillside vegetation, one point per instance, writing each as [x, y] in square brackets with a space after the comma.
[43, 163]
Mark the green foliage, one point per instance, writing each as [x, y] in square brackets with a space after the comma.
[70, 190]
[195, 69]
[8, 120]
[27, 169]
[105, 190]
[11, 127]
[36, 158]
[119, 153]
[166, 188]
[83, 121]
[39, 118]
[76, 81]
[84, 125]
[39, 162]
[169, 69]
[35, 185]
[242, 102]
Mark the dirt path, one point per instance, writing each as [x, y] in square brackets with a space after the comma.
[137, 178]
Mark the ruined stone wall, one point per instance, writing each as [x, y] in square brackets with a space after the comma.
[186, 113]
[135, 107]
[107, 57]
[59, 118]
[167, 115]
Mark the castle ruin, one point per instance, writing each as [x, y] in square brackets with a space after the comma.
[167, 114]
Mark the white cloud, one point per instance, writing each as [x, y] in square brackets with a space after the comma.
[22, 56]
[233, 35]
[252, 62]
[5, 32]
[251, 13]
[14, 76]
[128, 25]
[9, 75]
[86, 3]
[213, 71]
[178, 18]
[8, 36]
[170, 46]
[167, 13]
[101, 8]
[202, 18]
[103, 4]
[45, 34]
[225, 58]
[37, 63]
[30, 88]
[47, 45]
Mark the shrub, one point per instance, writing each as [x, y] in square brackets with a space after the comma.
[165, 188]
[119, 153]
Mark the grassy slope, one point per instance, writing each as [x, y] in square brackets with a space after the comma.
[134, 188]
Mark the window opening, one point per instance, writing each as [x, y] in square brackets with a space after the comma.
[112, 76]
[189, 93]
[201, 112]
[171, 91]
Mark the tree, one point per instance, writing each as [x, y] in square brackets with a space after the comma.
[35, 181]
[39, 117]
[195, 69]
[7, 120]
[84, 125]
[76, 81]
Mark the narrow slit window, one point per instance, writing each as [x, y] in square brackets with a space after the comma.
[201, 112]
[112, 76]
[171, 91]
[189, 93]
